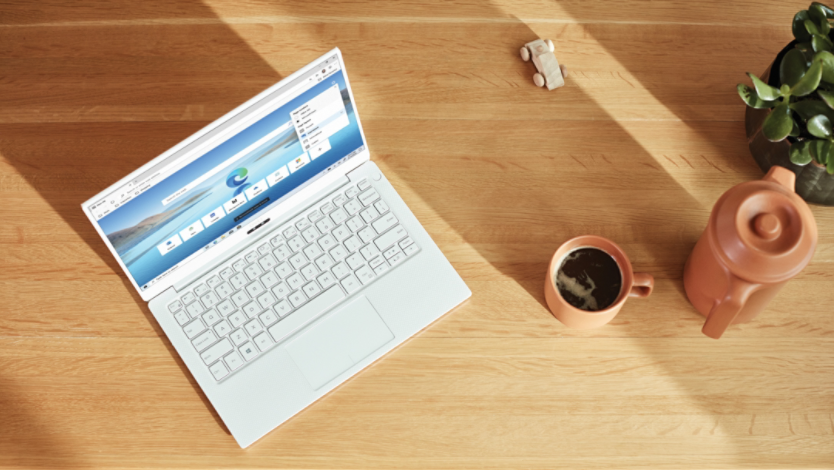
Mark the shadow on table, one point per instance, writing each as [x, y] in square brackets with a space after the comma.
[125, 83]
[29, 440]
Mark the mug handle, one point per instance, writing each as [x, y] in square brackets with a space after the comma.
[642, 286]
[727, 309]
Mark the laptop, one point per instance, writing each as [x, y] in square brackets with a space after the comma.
[275, 255]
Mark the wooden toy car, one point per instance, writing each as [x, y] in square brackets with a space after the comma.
[550, 73]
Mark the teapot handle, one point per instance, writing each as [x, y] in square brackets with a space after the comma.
[727, 309]
[783, 176]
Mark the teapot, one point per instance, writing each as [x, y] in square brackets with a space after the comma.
[759, 236]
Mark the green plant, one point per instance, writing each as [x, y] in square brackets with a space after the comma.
[802, 109]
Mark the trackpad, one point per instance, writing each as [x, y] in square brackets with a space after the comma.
[338, 342]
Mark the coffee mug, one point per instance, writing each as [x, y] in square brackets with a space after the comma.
[631, 284]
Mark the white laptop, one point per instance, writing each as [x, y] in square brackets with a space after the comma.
[275, 255]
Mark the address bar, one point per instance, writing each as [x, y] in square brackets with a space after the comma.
[229, 162]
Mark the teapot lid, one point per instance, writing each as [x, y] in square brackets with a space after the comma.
[762, 230]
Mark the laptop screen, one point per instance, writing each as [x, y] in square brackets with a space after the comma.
[193, 200]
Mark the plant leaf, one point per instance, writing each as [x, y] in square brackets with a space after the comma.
[765, 91]
[799, 32]
[830, 167]
[810, 108]
[820, 126]
[752, 99]
[819, 150]
[795, 130]
[827, 60]
[820, 43]
[793, 67]
[809, 82]
[817, 15]
[827, 97]
[825, 8]
[810, 26]
[800, 153]
[778, 124]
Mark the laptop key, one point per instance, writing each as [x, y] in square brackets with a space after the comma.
[175, 306]
[254, 289]
[233, 360]
[253, 327]
[237, 319]
[210, 299]
[355, 261]
[327, 207]
[253, 271]
[295, 281]
[251, 309]
[266, 300]
[239, 264]
[341, 233]
[217, 351]
[312, 289]
[222, 328]
[364, 184]
[283, 308]
[263, 249]
[339, 200]
[302, 224]
[201, 289]
[351, 192]
[339, 253]
[312, 251]
[239, 337]
[214, 281]
[340, 270]
[297, 298]
[249, 351]
[369, 251]
[381, 206]
[296, 243]
[227, 273]
[268, 318]
[240, 298]
[367, 234]
[325, 225]
[351, 284]
[204, 340]
[181, 317]
[251, 257]
[284, 270]
[365, 274]
[410, 250]
[381, 268]
[290, 232]
[218, 370]
[338, 216]
[281, 290]
[369, 197]
[195, 308]
[282, 252]
[390, 237]
[387, 221]
[211, 317]
[326, 280]
[263, 341]
[239, 280]
[194, 328]
[224, 290]
[269, 279]
[187, 298]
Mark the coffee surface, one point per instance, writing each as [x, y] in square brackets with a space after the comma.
[589, 279]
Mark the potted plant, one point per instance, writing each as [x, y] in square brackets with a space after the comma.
[790, 114]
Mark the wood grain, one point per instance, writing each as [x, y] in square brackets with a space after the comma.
[645, 136]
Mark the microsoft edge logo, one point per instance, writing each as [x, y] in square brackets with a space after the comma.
[237, 179]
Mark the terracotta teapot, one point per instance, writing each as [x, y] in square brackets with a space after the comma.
[759, 236]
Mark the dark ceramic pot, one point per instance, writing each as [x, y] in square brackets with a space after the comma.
[813, 183]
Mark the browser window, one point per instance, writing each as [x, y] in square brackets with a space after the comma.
[196, 199]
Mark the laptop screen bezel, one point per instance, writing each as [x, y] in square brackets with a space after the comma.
[248, 113]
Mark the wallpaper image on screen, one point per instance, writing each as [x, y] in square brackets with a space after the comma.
[196, 205]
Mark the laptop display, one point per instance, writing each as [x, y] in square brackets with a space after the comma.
[194, 200]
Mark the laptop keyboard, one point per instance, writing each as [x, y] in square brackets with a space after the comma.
[255, 300]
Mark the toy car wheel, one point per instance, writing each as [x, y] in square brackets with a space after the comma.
[550, 45]
[538, 79]
[525, 54]
[564, 71]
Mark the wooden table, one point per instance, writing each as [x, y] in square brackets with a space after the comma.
[637, 147]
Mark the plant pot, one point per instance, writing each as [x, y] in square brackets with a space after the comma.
[813, 183]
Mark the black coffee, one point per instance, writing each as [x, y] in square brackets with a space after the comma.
[589, 279]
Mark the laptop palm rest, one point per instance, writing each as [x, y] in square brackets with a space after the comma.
[339, 341]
